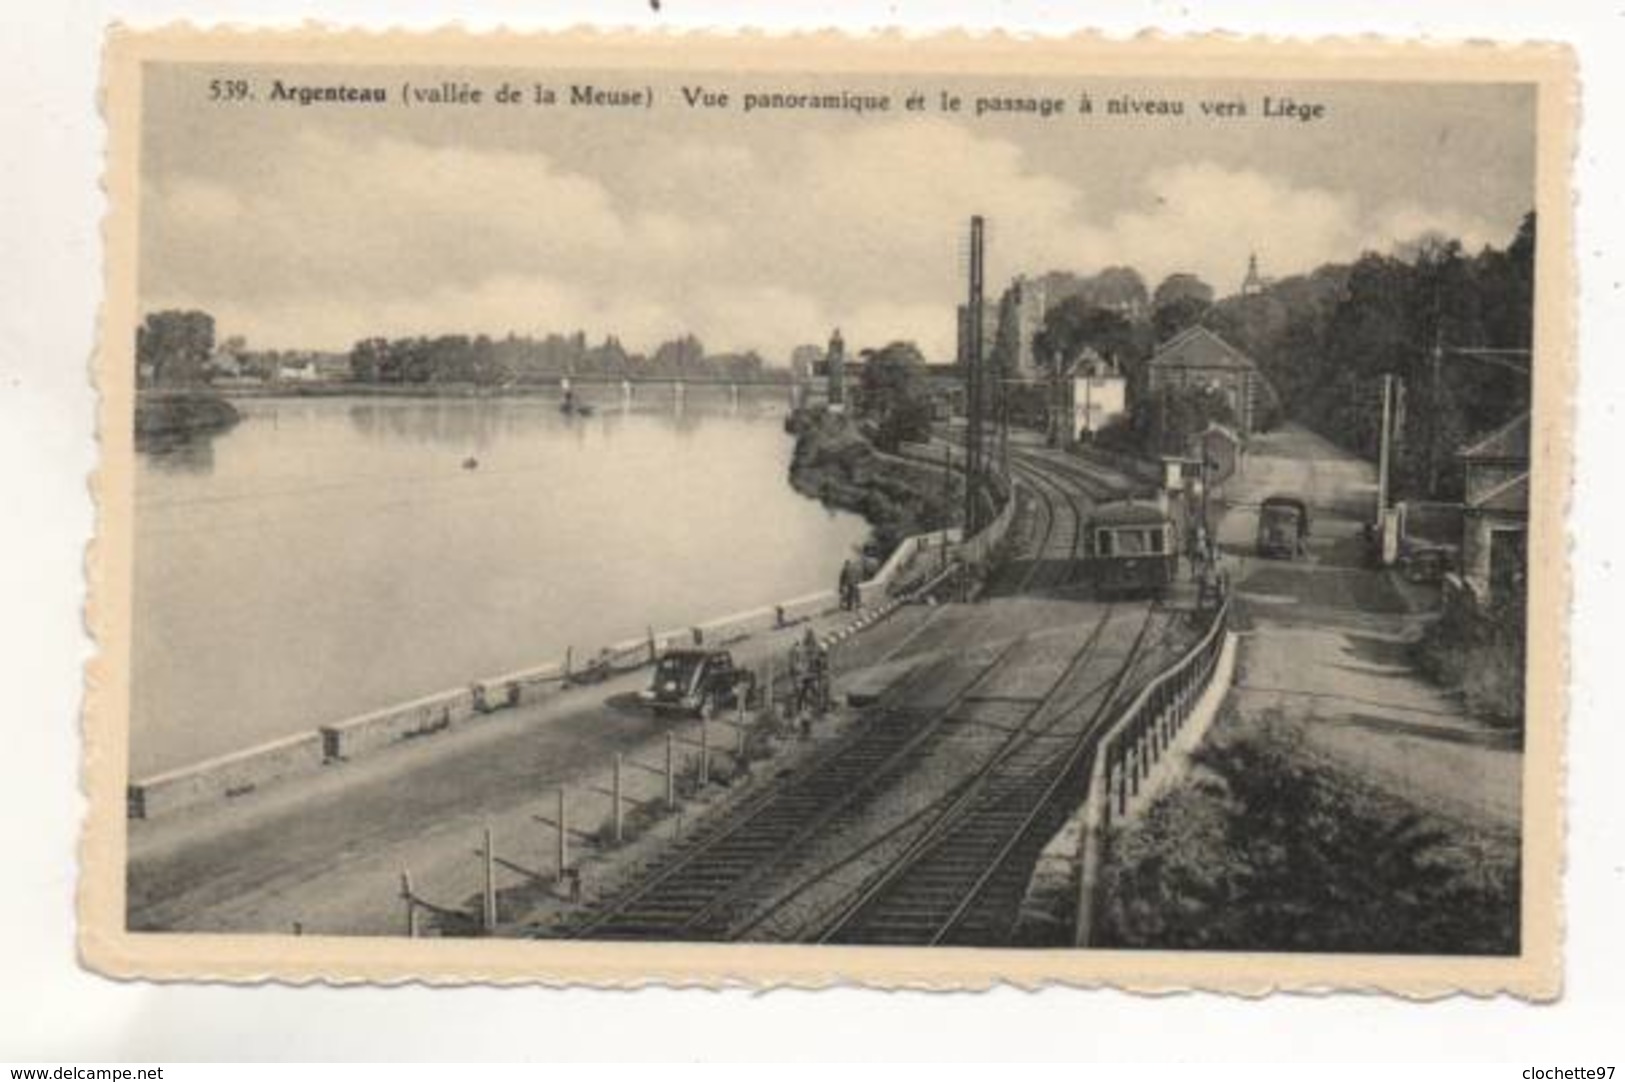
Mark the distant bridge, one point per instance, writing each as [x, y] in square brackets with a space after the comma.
[600, 379]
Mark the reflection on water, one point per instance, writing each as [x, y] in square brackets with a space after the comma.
[180, 454]
[329, 556]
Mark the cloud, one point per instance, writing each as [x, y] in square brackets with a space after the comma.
[1207, 220]
[327, 240]
[1401, 224]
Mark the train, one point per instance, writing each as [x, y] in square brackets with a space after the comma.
[1132, 549]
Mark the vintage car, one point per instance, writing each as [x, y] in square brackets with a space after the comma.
[1426, 564]
[696, 680]
[1283, 527]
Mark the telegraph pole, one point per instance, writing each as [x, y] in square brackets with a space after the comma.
[973, 378]
[1383, 452]
[1435, 402]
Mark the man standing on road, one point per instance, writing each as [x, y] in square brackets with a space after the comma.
[797, 666]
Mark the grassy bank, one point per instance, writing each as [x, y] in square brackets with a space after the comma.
[835, 462]
[165, 417]
[1269, 847]
[1479, 655]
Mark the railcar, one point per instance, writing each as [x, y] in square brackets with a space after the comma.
[1132, 549]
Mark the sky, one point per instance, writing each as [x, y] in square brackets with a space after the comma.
[313, 227]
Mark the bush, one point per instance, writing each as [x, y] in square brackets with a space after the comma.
[1275, 850]
[1480, 655]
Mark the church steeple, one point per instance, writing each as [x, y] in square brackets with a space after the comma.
[1253, 284]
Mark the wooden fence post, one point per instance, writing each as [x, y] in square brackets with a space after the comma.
[564, 837]
[619, 819]
[671, 771]
[489, 913]
[705, 753]
[411, 904]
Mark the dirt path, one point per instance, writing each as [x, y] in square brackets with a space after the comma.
[1328, 643]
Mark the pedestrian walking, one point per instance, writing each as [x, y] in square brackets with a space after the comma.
[813, 668]
[797, 664]
[849, 586]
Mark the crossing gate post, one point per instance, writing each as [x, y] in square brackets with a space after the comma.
[488, 914]
[620, 821]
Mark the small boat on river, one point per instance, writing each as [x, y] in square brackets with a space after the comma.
[571, 406]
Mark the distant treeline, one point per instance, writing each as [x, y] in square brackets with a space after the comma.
[177, 348]
[1452, 327]
[481, 359]
[1426, 316]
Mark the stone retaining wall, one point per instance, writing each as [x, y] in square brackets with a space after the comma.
[228, 776]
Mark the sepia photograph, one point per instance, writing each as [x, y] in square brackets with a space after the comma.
[1097, 505]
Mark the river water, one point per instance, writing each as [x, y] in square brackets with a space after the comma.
[331, 556]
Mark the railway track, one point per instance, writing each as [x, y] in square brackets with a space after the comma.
[723, 884]
[1051, 560]
[695, 893]
[1095, 487]
[961, 879]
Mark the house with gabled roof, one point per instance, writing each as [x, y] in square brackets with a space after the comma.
[1197, 357]
[1495, 510]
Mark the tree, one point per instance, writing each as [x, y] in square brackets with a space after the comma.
[1163, 421]
[172, 347]
[1181, 284]
[1075, 325]
[1177, 316]
[894, 397]
[367, 360]
[678, 357]
[1119, 288]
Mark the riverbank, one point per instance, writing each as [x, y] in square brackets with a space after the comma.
[166, 417]
[550, 389]
[835, 463]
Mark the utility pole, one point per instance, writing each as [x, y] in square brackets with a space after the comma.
[974, 378]
[1435, 401]
[1383, 452]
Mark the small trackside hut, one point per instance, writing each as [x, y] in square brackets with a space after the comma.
[1132, 549]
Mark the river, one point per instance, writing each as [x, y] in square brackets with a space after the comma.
[331, 556]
